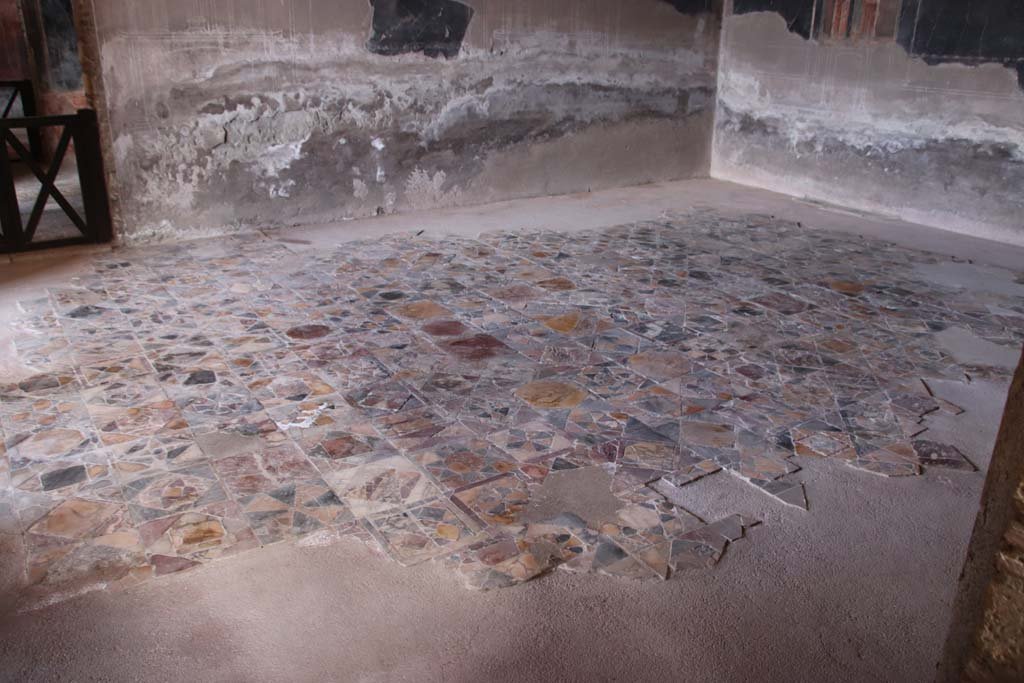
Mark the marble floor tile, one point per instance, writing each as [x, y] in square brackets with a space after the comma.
[193, 403]
[425, 531]
[380, 482]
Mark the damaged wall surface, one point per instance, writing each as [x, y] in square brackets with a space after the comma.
[13, 54]
[908, 109]
[264, 114]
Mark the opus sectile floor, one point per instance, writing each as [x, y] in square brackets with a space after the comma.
[200, 400]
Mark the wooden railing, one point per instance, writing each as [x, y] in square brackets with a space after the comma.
[82, 131]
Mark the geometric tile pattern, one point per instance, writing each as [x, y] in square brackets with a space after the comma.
[197, 400]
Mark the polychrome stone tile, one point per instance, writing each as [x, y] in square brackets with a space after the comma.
[60, 567]
[447, 390]
[263, 469]
[892, 460]
[101, 348]
[531, 439]
[256, 425]
[133, 409]
[592, 422]
[191, 488]
[413, 430]
[337, 448]
[194, 401]
[352, 371]
[499, 501]
[179, 353]
[819, 438]
[484, 354]
[105, 372]
[551, 394]
[272, 373]
[657, 402]
[483, 312]
[703, 547]
[43, 348]
[615, 342]
[294, 510]
[88, 475]
[152, 455]
[760, 460]
[932, 454]
[505, 560]
[180, 541]
[411, 355]
[459, 463]
[419, 310]
[608, 380]
[491, 405]
[79, 518]
[425, 531]
[21, 396]
[659, 366]
[644, 529]
[380, 482]
[47, 427]
[384, 398]
[310, 406]
[206, 396]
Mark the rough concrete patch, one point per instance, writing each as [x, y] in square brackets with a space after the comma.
[970, 349]
[974, 431]
[585, 492]
[721, 495]
[11, 568]
[971, 276]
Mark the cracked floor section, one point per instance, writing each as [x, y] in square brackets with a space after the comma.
[503, 405]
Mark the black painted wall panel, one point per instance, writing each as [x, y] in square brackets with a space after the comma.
[434, 27]
[985, 29]
[938, 31]
[692, 6]
[970, 32]
[799, 14]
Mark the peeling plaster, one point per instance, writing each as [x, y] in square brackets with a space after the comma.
[428, 191]
[221, 126]
[359, 189]
[862, 125]
[867, 126]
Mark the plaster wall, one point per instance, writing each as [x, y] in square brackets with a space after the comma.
[862, 123]
[266, 114]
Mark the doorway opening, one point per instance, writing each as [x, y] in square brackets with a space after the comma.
[52, 184]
